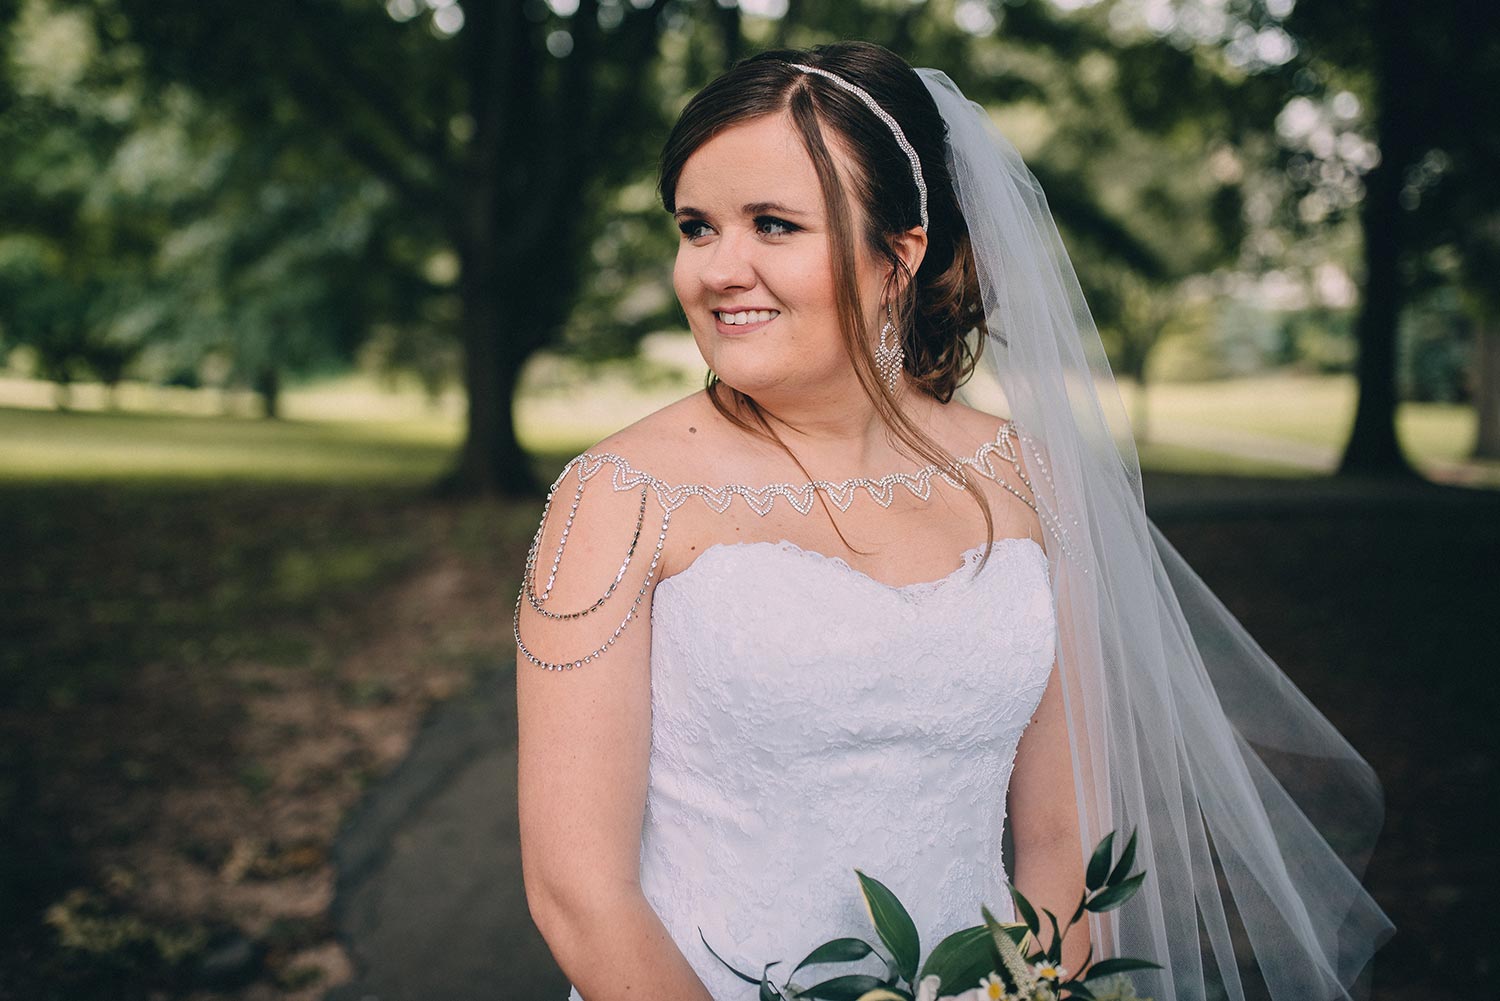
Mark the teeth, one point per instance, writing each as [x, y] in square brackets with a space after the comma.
[749, 316]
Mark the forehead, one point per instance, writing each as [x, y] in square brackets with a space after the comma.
[762, 159]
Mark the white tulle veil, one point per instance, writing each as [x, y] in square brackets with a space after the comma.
[1255, 818]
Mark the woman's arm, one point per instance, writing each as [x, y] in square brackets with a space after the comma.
[584, 746]
[1042, 803]
[1043, 814]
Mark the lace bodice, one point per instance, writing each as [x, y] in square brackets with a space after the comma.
[808, 719]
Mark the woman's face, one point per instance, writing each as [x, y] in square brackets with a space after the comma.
[755, 244]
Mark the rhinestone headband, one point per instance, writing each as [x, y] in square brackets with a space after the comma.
[870, 102]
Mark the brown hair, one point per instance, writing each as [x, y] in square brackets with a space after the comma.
[936, 308]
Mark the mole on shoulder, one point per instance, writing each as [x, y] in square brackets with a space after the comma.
[692, 430]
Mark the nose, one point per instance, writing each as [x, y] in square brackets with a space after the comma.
[729, 264]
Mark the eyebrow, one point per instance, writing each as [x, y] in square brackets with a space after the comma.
[752, 208]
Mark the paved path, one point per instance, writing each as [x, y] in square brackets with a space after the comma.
[430, 900]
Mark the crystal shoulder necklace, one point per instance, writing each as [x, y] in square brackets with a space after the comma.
[1005, 447]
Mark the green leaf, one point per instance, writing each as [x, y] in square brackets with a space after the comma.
[894, 926]
[743, 976]
[962, 958]
[1079, 912]
[1113, 896]
[1054, 952]
[1099, 863]
[1081, 992]
[768, 991]
[885, 994]
[849, 987]
[840, 950]
[1105, 967]
[1127, 859]
[1027, 912]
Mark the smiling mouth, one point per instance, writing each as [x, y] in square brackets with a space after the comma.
[747, 317]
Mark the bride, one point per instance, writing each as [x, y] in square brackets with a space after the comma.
[823, 616]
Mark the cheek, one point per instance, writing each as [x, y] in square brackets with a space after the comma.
[680, 283]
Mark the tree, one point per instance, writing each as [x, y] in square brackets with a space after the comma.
[502, 137]
[497, 128]
[63, 254]
[1429, 71]
[141, 227]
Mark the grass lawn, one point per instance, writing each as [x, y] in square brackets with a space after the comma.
[220, 630]
[1313, 409]
[350, 429]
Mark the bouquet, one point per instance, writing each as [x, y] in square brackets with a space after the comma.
[994, 961]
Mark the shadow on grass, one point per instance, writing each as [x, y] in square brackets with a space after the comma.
[142, 621]
[1380, 606]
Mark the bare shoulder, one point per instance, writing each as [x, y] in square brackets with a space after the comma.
[1011, 465]
[967, 428]
[686, 441]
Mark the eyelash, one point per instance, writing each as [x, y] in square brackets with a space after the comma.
[687, 226]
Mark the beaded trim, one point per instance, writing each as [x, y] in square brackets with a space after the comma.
[802, 497]
[761, 500]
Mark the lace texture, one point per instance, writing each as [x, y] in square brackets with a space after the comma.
[808, 719]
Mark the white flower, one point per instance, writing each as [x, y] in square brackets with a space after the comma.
[927, 990]
[1047, 971]
[992, 988]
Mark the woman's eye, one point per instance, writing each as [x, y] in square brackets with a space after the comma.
[785, 226]
[766, 225]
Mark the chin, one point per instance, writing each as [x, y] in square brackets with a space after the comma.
[749, 383]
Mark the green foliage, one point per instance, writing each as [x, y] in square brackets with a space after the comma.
[1435, 342]
[963, 957]
[146, 230]
[973, 954]
[426, 190]
[894, 926]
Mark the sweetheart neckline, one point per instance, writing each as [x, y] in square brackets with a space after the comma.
[921, 586]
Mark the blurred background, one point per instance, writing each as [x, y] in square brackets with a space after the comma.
[304, 302]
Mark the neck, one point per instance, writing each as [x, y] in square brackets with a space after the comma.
[840, 429]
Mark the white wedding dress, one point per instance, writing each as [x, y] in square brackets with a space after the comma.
[807, 720]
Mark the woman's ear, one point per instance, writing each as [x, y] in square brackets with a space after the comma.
[911, 247]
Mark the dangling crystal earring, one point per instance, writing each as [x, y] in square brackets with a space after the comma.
[889, 357]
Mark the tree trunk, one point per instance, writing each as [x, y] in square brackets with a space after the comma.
[1487, 388]
[1373, 448]
[491, 460]
[268, 388]
[497, 58]
[523, 181]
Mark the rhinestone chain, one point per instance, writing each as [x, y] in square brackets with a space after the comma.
[530, 579]
[760, 500]
[630, 614]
